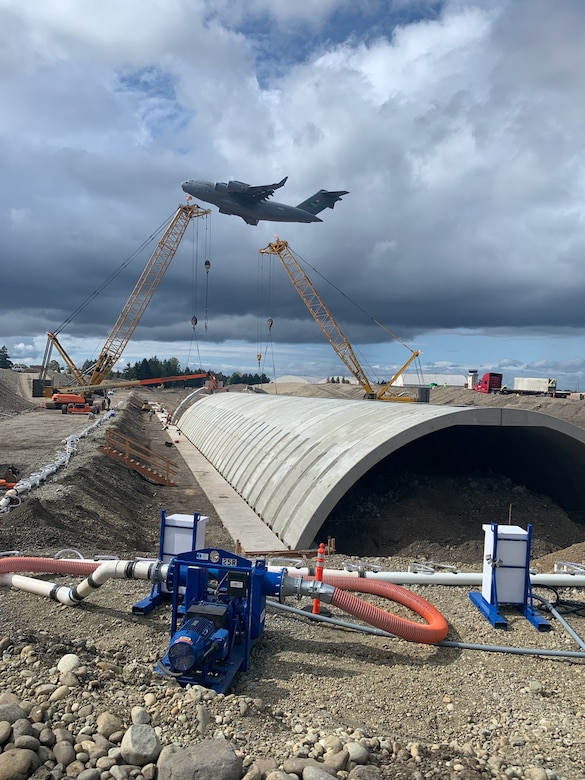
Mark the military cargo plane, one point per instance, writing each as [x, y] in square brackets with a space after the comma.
[251, 202]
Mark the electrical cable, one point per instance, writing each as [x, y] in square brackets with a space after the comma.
[565, 606]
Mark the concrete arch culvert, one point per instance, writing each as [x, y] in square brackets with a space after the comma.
[293, 459]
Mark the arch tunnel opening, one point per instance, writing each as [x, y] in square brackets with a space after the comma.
[431, 497]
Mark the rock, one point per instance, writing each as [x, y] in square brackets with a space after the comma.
[535, 773]
[18, 764]
[135, 673]
[89, 774]
[149, 771]
[212, 758]
[69, 680]
[332, 744]
[47, 737]
[119, 773]
[316, 773]
[27, 742]
[62, 692]
[63, 735]
[5, 731]
[68, 662]
[357, 753]
[11, 712]
[253, 773]
[266, 765]
[203, 719]
[365, 773]
[297, 766]
[21, 727]
[108, 724]
[140, 745]
[64, 752]
[139, 716]
[278, 774]
[337, 761]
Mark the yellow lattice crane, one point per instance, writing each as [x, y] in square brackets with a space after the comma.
[336, 337]
[134, 307]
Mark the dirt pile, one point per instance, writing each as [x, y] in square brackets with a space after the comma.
[12, 398]
[95, 504]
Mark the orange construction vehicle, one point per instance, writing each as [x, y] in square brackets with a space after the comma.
[60, 400]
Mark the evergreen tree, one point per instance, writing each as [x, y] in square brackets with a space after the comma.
[5, 361]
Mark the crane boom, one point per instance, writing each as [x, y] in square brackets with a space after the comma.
[316, 305]
[53, 341]
[134, 307]
[143, 291]
[336, 337]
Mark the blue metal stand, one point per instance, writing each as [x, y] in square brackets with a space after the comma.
[219, 608]
[490, 609]
[157, 594]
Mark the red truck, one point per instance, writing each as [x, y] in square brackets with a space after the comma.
[492, 383]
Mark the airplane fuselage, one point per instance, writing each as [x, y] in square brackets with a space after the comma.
[228, 202]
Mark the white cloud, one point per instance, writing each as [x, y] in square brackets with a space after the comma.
[458, 135]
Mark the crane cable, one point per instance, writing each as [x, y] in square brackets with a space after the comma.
[207, 253]
[113, 276]
[194, 268]
[360, 308]
[373, 319]
[261, 358]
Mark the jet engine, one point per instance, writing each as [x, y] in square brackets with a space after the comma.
[237, 186]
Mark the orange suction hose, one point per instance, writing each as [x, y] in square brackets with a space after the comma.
[435, 629]
[47, 565]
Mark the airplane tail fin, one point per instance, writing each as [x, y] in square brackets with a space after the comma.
[321, 200]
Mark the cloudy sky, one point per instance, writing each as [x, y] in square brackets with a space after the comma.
[457, 127]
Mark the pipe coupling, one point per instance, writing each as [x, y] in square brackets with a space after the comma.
[296, 586]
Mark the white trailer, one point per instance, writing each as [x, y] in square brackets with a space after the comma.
[535, 385]
[525, 385]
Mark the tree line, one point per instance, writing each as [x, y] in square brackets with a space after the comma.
[152, 368]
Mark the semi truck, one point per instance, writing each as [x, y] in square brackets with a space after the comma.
[492, 382]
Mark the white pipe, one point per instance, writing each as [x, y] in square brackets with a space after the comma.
[153, 570]
[136, 570]
[470, 578]
[59, 593]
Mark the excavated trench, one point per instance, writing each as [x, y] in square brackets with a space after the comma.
[432, 497]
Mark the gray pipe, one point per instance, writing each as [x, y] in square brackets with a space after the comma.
[572, 633]
[444, 643]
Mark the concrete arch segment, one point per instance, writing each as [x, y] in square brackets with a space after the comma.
[292, 459]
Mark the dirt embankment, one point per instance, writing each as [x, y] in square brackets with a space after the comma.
[94, 504]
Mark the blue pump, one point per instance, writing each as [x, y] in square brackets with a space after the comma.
[218, 611]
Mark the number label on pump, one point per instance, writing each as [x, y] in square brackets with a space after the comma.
[229, 562]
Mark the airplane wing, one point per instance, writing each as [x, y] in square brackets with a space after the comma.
[254, 194]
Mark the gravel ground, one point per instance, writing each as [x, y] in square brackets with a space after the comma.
[418, 711]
